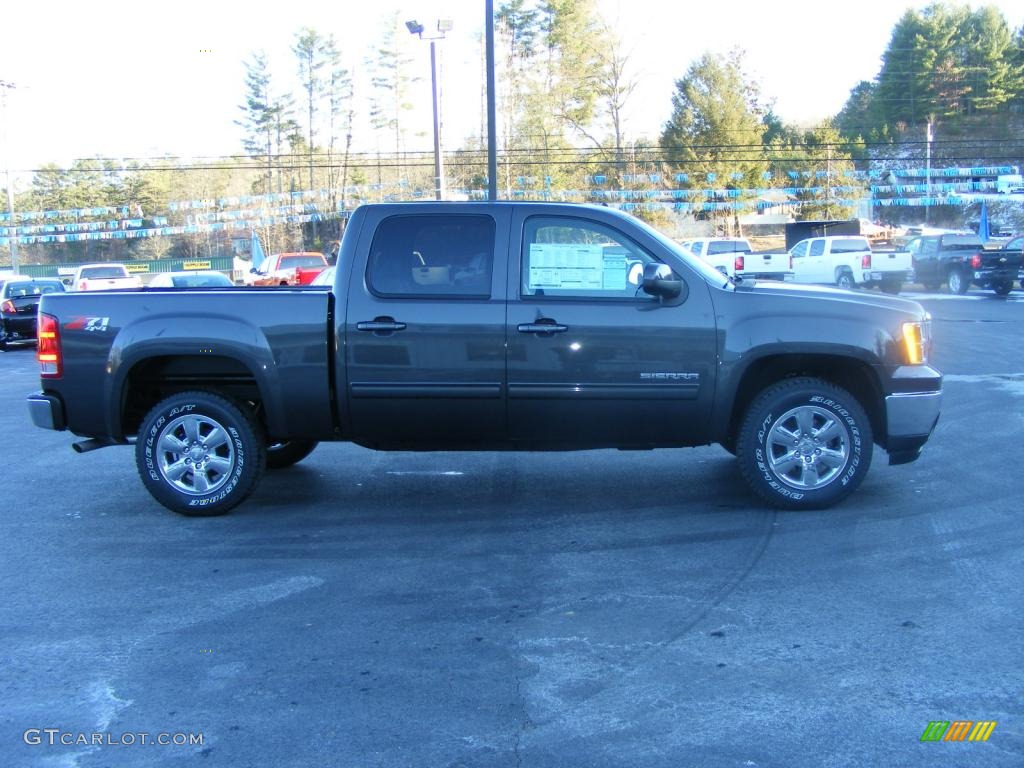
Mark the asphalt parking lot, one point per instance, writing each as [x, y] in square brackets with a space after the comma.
[591, 609]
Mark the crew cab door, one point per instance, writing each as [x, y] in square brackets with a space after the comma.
[592, 359]
[425, 328]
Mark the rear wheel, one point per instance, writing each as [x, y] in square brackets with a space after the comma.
[845, 280]
[288, 452]
[804, 444]
[199, 454]
[957, 281]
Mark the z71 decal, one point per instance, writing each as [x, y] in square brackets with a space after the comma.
[87, 324]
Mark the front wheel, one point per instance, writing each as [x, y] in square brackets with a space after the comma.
[1004, 288]
[287, 452]
[957, 282]
[199, 454]
[804, 444]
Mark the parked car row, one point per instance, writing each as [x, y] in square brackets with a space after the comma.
[956, 260]
[845, 261]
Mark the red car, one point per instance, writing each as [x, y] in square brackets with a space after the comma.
[289, 269]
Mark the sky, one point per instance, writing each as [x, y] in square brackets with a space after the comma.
[141, 80]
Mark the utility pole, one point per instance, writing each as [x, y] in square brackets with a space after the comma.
[492, 119]
[13, 239]
[928, 169]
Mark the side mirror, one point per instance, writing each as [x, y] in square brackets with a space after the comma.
[254, 271]
[659, 281]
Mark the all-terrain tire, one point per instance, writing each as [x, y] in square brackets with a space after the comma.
[200, 454]
[804, 443]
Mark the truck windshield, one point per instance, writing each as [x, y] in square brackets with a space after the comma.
[956, 243]
[728, 246]
[850, 245]
[291, 262]
[103, 273]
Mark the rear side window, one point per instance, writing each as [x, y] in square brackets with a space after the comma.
[817, 247]
[850, 245]
[432, 255]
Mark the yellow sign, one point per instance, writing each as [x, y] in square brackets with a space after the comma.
[195, 265]
[138, 267]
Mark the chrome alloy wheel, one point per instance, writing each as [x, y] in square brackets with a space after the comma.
[195, 454]
[807, 447]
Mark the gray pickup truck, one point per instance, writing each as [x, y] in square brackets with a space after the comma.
[492, 326]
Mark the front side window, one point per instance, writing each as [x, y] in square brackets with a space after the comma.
[566, 257]
[432, 255]
[817, 247]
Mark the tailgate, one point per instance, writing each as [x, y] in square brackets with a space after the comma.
[891, 261]
[1001, 259]
[766, 262]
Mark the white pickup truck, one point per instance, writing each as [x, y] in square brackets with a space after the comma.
[849, 262]
[734, 257]
[103, 277]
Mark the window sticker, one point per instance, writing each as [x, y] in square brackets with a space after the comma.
[576, 267]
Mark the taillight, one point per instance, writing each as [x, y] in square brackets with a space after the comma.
[83, 285]
[738, 264]
[8, 307]
[975, 263]
[48, 353]
[865, 261]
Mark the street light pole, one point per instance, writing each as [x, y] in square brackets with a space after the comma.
[13, 239]
[415, 28]
[436, 104]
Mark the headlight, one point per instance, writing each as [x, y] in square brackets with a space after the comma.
[917, 341]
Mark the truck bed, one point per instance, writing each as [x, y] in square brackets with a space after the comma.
[283, 335]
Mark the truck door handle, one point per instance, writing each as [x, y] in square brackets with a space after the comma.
[380, 325]
[542, 327]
